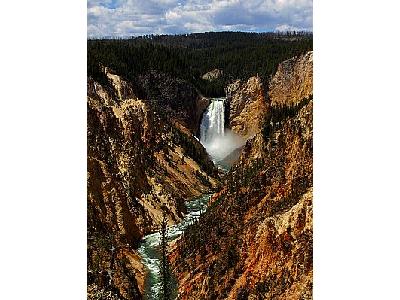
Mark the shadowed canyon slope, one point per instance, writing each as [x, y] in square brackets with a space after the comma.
[255, 241]
[141, 160]
[174, 96]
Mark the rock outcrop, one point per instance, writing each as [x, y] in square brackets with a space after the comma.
[140, 163]
[176, 97]
[246, 106]
[255, 240]
[212, 75]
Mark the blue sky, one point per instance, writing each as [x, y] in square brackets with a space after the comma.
[139, 17]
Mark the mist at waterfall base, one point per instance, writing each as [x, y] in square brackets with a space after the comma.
[218, 140]
[221, 146]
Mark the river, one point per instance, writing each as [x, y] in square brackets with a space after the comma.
[219, 142]
[149, 249]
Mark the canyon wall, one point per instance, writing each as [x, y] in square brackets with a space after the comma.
[141, 161]
[293, 81]
[246, 106]
[255, 240]
[247, 103]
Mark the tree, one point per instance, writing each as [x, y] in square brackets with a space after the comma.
[240, 55]
[164, 270]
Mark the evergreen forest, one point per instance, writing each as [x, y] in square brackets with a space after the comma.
[238, 54]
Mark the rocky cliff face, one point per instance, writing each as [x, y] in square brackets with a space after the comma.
[247, 103]
[246, 106]
[293, 81]
[176, 97]
[255, 240]
[139, 165]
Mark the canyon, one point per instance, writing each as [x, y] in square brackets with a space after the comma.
[149, 155]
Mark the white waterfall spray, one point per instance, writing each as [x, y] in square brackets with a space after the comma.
[218, 140]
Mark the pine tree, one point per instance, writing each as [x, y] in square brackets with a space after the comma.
[164, 270]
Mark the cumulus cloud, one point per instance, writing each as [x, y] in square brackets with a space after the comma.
[137, 17]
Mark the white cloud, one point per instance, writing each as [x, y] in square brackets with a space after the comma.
[135, 17]
[286, 27]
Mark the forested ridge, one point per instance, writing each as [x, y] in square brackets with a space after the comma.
[240, 55]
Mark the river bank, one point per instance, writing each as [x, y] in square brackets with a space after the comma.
[150, 250]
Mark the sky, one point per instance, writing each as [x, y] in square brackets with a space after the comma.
[141, 17]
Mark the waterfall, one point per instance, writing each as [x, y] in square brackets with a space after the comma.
[218, 140]
[212, 125]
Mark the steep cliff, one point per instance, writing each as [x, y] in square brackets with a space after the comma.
[247, 103]
[246, 106]
[140, 163]
[293, 80]
[176, 97]
[255, 240]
